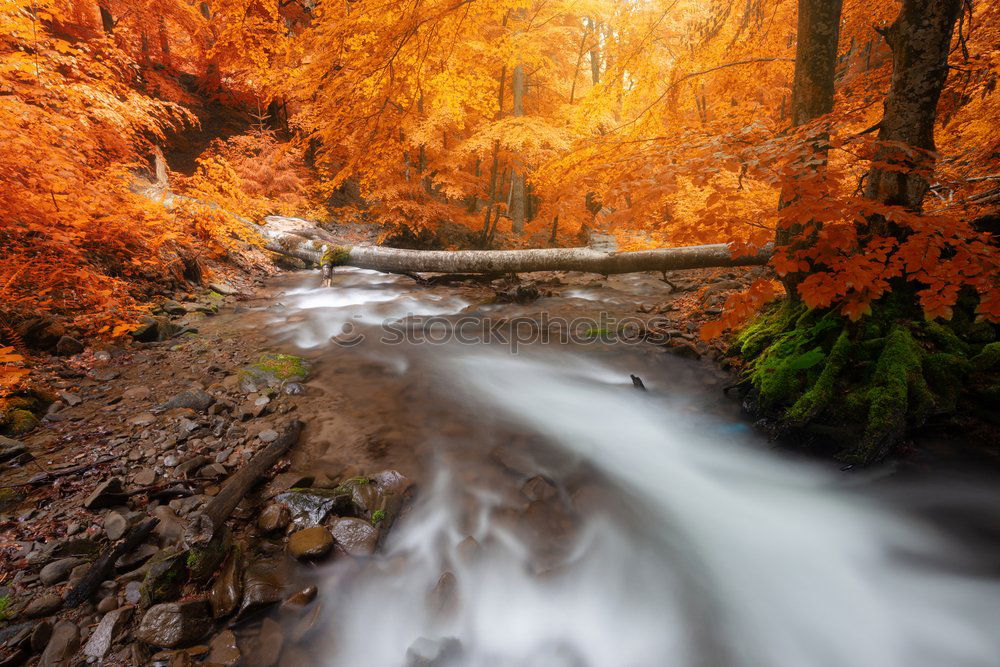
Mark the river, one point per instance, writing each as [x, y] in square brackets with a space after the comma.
[565, 518]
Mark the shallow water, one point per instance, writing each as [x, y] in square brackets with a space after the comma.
[564, 518]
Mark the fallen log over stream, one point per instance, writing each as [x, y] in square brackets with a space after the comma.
[301, 239]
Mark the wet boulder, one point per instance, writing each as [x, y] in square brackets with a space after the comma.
[355, 537]
[223, 650]
[309, 507]
[273, 518]
[426, 652]
[174, 624]
[265, 582]
[310, 543]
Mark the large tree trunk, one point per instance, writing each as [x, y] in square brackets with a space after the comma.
[300, 238]
[919, 38]
[812, 98]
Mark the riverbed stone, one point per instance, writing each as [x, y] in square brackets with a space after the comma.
[355, 537]
[10, 448]
[108, 493]
[264, 583]
[274, 517]
[165, 576]
[67, 346]
[62, 646]
[58, 570]
[312, 542]
[43, 605]
[108, 631]
[174, 624]
[115, 526]
[194, 399]
[310, 507]
[223, 650]
[228, 586]
[267, 645]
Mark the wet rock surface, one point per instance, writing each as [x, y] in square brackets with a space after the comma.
[174, 624]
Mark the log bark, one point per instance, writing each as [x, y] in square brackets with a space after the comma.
[103, 567]
[204, 525]
[300, 238]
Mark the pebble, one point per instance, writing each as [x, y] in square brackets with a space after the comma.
[270, 435]
[115, 526]
[145, 477]
[133, 592]
[274, 517]
[110, 603]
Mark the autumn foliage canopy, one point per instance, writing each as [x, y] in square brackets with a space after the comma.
[516, 122]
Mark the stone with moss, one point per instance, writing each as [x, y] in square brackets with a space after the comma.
[19, 422]
[165, 577]
[275, 369]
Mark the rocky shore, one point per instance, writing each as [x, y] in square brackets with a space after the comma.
[99, 501]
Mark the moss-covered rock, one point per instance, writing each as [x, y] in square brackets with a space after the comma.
[274, 369]
[812, 370]
[165, 577]
[19, 422]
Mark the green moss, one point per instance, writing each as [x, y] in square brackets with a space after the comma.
[944, 338]
[378, 516]
[5, 602]
[20, 422]
[896, 383]
[988, 358]
[792, 359]
[275, 369]
[817, 397]
[946, 375]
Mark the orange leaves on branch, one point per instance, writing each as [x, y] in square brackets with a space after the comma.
[741, 306]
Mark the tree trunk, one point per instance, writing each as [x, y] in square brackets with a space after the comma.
[302, 239]
[516, 208]
[919, 38]
[164, 42]
[107, 20]
[595, 54]
[812, 97]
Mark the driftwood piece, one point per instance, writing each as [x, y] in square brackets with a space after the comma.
[203, 525]
[102, 568]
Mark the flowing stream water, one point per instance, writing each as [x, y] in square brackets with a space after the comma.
[564, 518]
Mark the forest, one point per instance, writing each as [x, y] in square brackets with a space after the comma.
[797, 200]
